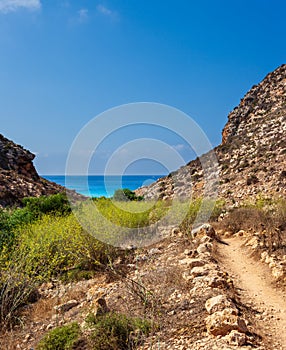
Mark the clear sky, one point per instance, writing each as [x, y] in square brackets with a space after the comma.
[62, 62]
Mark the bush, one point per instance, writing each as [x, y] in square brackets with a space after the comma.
[34, 208]
[51, 246]
[55, 204]
[6, 238]
[16, 289]
[54, 245]
[266, 215]
[9, 222]
[124, 195]
[244, 219]
[61, 338]
[116, 331]
[131, 214]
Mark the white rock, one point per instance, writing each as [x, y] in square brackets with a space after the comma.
[235, 338]
[264, 256]
[192, 262]
[278, 272]
[206, 239]
[66, 306]
[223, 322]
[154, 251]
[219, 303]
[204, 247]
[199, 271]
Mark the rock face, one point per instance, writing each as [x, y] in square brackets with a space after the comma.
[262, 100]
[18, 176]
[251, 157]
[15, 158]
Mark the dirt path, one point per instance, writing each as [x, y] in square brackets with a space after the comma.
[253, 280]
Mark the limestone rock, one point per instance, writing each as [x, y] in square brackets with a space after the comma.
[19, 178]
[204, 247]
[223, 322]
[203, 230]
[189, 262]
[199, 271]
[253, 140]
[66, 306]
[219, 303]
[235, 338]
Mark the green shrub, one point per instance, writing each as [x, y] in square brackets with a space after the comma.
[6, 238]
[61, 338]
[114, 331]
[54, 245]
[34, 208]
[124, 195]
[9, 221]
[131, 214]
[51, 246]
[56, 204]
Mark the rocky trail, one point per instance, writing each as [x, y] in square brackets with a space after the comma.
[253, 280]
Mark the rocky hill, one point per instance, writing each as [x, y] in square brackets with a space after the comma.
[252, 155]
[18, 176]
[220, 286]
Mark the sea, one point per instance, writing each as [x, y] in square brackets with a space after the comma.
[99, 185]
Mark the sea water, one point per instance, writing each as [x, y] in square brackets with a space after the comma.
[99, 185]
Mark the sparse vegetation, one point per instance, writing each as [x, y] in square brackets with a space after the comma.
[125, 194]
[43, 240]
[209, 210]
[61, 338]
[114, 331]
[265, 215]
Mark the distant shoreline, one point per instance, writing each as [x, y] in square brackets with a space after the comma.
[100, 185]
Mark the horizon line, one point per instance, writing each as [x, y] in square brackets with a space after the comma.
[103, 175]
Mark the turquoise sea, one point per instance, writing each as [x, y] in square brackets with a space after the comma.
[97, 185]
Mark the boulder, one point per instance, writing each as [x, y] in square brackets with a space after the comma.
[66, 306]
[235, 338]
[203, 230]
[189, 262]
[219, 303]
[223, 322]
[200, 271]
[204, 247]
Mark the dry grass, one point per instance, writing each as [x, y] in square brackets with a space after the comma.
[271, 221]
[42, 310]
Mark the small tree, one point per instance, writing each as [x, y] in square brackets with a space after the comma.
[124, 195]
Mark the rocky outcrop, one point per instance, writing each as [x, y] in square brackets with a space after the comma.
[251, 158]
[263, 99]
[18, 176]
[15, 158]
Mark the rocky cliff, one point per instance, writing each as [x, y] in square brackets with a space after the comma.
[18, 176]
[252, 155]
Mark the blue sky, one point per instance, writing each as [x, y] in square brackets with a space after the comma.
[62, 62]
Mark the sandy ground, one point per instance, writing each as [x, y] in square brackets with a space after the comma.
[253, 280]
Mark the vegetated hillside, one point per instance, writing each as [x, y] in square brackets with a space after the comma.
[252, 155]
[18, 176]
